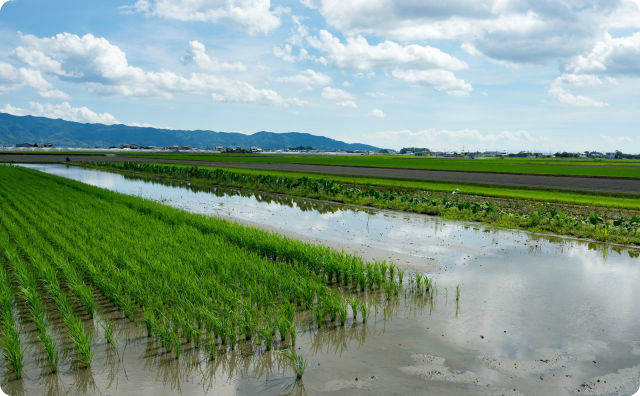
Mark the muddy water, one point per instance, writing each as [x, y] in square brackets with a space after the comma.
[536, 315]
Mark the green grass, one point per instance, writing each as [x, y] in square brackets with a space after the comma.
[189, 278]
[507, 165]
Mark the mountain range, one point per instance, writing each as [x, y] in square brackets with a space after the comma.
[41, 130]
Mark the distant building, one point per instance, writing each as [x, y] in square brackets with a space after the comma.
[255, 149]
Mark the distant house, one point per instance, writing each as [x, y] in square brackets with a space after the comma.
[610, 156]
[48, 145]
[255, 149]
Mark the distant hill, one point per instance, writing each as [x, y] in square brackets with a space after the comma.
[41, 130]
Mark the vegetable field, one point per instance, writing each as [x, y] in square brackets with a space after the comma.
[190, 280]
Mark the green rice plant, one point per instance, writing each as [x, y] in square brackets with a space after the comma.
[292, 333]
[211, 349]
[107, 327]
[283, 327]
[457, 293]
[150, 321]
[50, 350]
[11, 347]
[266, 333]
[364, 311]
[82, 340]
[354, 302]
[298, 362]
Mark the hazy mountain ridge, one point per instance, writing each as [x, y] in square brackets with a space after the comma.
[41, 130]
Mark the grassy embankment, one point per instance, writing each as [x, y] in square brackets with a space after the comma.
[191, 279]
[597, 223]
[508, 165]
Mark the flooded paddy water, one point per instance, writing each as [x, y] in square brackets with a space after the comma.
[536, 315]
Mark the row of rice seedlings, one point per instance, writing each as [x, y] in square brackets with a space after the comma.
[9, 333]
[28, 289]
[49, 280]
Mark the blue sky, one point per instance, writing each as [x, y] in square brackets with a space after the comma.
[480, 74]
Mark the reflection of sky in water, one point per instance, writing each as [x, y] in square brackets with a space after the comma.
[545, 294]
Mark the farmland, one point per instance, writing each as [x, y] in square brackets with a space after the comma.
[572, 167]
[102, 292]
[188, 279]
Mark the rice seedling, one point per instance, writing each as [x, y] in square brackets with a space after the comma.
[298, 362]
[354, 307]
[12, 348]
[107, 328]
[364, 312]
[457, 293]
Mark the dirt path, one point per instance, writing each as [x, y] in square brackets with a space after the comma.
[573, 183]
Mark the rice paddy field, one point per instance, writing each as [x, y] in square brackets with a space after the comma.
[117, 284]
[573, 167]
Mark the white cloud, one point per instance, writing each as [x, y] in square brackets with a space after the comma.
[559, 90]
[336, 94]
[440, 80]
[54, 94]
[346, 84]
[256, 16]
[514, 31]
[358, 54]
[3, 2]
[103, 68]
[197, 55]
[611, 55]
[12, 78]
[442, 139]
[63, 111]
[378, 113]
[347, 103]
[285, 53]
[308, 77]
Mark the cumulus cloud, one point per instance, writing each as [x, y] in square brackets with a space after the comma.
[378, 113]
[256, 16]
[559, 89]
[336, 94]
[615, 56]
[358, 54]
[308, 77]
[103, 68]
[513, 31]
[12, 78]
[197, 54]
[440, 80]
[442, 139]
[63, 111]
